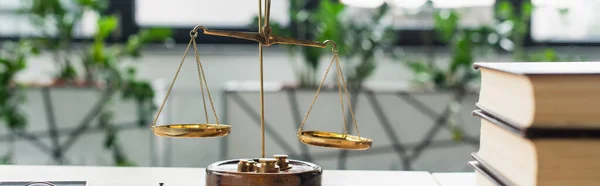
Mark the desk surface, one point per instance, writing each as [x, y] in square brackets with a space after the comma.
[455, 179]
[147, 176]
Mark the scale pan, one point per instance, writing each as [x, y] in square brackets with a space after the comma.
[192, 130]
[334, 140]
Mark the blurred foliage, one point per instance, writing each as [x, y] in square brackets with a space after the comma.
[13, 57]
[6, 159]
[465, 44]
[56, 22]
[309, 24]
[365, 42]
[462, 44]
[358, 42]
[517, 21]
[111, 140]
[102, 62]
[516, 24]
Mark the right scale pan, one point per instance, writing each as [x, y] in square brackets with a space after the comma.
[332, 139]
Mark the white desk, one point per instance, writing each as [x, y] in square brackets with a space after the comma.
[145, 176]
[455, 179]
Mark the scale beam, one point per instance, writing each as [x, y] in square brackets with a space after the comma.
[252, 36]
[260, 38]
[264, 36]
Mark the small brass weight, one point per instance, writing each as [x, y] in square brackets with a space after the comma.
[276, 170]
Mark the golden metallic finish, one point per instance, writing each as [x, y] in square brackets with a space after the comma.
[242, 166]
[259, 37]
[329, 139]
[246, 166]
[292, 41]
[262, 94]
[262, 102]
[264, 38]
[268, 165]
[251, 166]
[334, 140]
[282, 162]
[192, 130]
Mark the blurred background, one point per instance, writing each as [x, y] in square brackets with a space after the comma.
[80, 80]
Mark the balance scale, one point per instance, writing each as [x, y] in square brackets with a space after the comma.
[278, 170]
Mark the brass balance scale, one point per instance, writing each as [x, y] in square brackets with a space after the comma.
[263, 171]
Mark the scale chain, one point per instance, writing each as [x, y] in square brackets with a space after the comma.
[201, 78]
[316, 95]
[338, 74]
[347, 97]
[172, 82]
[341, 83]
[201, 70]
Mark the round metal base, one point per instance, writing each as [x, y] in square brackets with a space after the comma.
[225, 173]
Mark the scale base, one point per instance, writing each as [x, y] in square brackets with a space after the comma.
[266, 173]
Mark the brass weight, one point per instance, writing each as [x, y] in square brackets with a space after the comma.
[282, 161]
[268, 165]
[267, 172]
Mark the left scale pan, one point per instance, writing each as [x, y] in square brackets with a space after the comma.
[192, 130]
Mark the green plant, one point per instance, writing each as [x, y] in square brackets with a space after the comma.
[358, 42]
[363, 41]
[102, 63]
[518, 21]
[13, 60]
[13, 56]
[466, 44]
[463, 44]
[56, 22]
[6, 160]
[318, 24]
[105, 60]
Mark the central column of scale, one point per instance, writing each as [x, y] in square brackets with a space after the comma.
[262, 96]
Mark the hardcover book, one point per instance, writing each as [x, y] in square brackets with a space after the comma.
[483, 177]
[542, 94]
[539, 156]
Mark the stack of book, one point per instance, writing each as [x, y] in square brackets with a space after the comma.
[540, 124]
